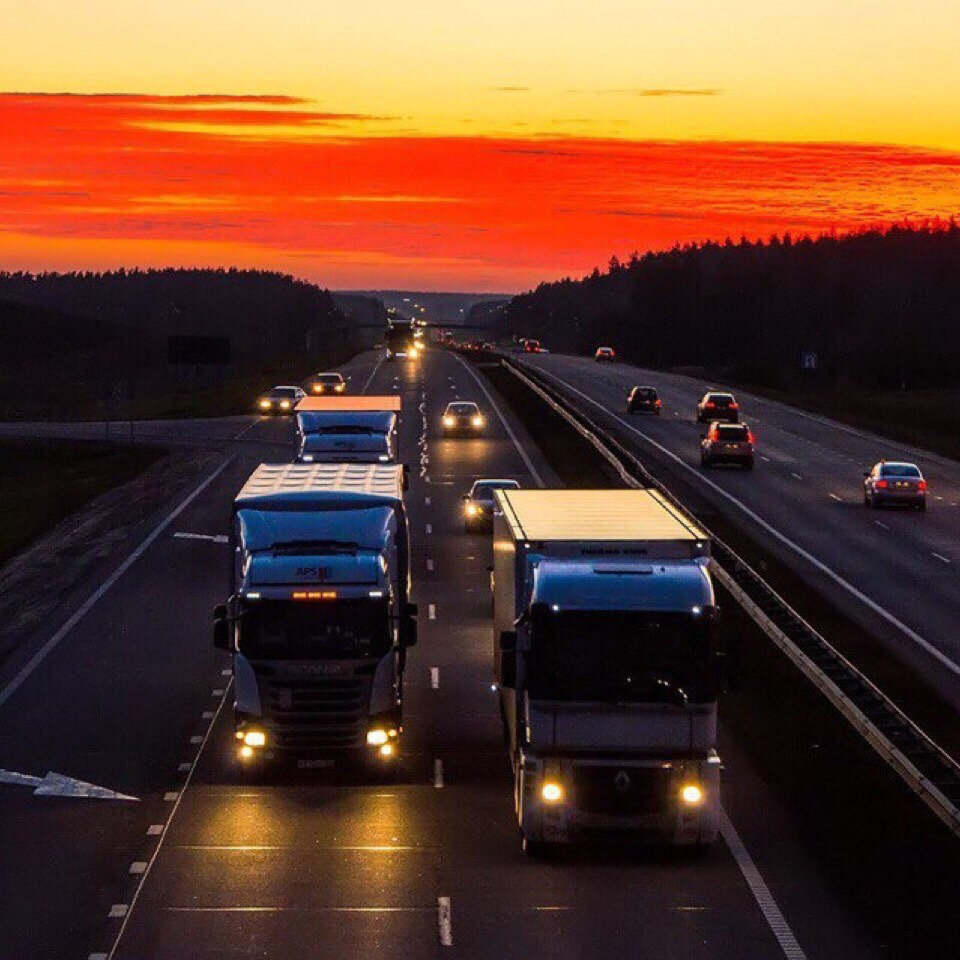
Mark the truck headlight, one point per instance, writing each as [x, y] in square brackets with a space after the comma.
[691, 794]
[387, 750]
[477, 421]
[551, 791]
[255, 738]
[376, 737]
[448, 421]
[246, 752]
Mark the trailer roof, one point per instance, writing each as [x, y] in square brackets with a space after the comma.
[277, 481]
[387, 402]
[595, 516]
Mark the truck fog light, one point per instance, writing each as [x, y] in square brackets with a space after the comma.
[376, 737]
[255, 738]
[387, 750]
[246, 752]
[551, 792]
[691, 794]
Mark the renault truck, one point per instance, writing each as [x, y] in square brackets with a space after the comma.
[319, 621]
[607, 666]
[347, 429]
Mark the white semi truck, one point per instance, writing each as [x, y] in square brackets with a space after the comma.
[319, 621]
[606, 665]
[360, 429]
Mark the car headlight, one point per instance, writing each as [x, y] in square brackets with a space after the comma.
[448, 421]
[691, 794]
[551, 792]
[477, 421]
[340, 387]
[284, 404]
[255, 738]
[376, 737]
[265, 404]
[472, 510]
[318, 388]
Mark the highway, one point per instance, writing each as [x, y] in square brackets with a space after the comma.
[894, 571]
[205, 864]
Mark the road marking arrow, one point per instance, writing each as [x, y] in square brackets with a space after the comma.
[218, 538]
[57, 785]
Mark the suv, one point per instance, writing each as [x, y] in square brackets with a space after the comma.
[280, 400]
[895, 483]
[728, 443]
[644, 398]
[327, 383]
[605, 355]
[715, 405]
[462, 417]
[478, 503]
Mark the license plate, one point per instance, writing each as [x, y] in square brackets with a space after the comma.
[315, 764]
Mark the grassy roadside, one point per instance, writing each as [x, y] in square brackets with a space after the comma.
[44, 481]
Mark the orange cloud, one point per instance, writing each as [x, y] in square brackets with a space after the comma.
[91, 181]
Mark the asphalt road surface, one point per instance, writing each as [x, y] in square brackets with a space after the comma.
[893, 570]
[127, 693]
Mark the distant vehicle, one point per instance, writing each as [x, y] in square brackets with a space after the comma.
[728, 443]
[486, 345]
[605, 355]
[478, 503]
[318, 620]
[347, 436]
[531, 346]
[715, 405]
[280, 400]
[607, 666]
[644, 398]
[890, 483]
[327, 383]
[462, 417]
[401, 340]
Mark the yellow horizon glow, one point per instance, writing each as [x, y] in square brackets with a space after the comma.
[825, 71]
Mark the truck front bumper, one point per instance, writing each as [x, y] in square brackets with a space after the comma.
[664, 800]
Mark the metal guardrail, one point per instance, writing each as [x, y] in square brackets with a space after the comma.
[927, 769]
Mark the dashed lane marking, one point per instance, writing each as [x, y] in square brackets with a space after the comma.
[833, 496]
[138, 866]
[435, 678]
[429, 565]
[444, 922]
[940, 556]
[437, 773]
[432, 611]
[119, 910]
[796, 476]
[880, 523]
[429, 528]
[213, 538]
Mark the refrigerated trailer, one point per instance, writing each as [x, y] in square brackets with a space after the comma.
[319, 621]
[607, 666]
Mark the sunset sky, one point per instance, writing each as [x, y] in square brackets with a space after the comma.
[462, 145]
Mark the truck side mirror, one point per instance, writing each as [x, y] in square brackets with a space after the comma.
[508, 640]
[508, 669]
[221, 627]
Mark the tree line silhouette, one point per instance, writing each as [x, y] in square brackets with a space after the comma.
[100, 339]
[876, 309]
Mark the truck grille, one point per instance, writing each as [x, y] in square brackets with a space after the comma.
[622, 791]
[316, 713]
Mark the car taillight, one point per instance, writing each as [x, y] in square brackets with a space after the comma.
[750, 438]
[657, 403]
[733, 406]
[710, 404]
[882, 484]
[922, 485]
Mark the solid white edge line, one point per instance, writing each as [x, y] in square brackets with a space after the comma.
[444, 922]
[373, 373]
[166, 828]
[761, 892]
[506, 426]
[928, 647]
[24, 672]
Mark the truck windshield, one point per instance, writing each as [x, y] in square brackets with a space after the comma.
[305, 630]
[621, 657]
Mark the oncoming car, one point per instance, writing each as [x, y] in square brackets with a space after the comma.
[728, 443]
[327, 383]
[715, 405]
[462, 417]
[280, 400]
[644, 398]
[605, 355]
[889, 483]
[478, 503]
